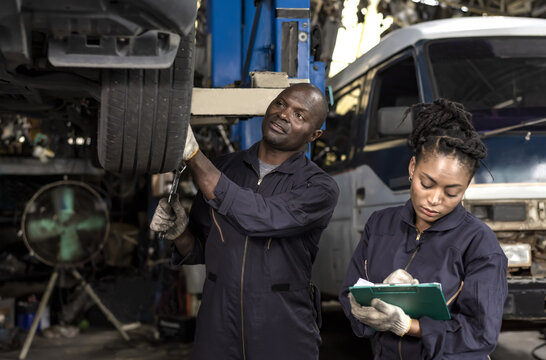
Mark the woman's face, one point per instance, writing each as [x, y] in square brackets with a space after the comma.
[438, 185]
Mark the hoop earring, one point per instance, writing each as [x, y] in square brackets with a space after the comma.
[409, 178]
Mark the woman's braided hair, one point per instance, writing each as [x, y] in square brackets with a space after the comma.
[445, 127]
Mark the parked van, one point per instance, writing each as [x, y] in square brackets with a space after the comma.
[495, 67]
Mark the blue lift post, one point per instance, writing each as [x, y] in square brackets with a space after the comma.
[254, 35]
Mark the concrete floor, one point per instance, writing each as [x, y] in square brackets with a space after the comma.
[518, 345]
[102, 344]
[338, 343]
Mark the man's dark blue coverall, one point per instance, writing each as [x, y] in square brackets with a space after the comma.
[258, 239]
[458, 251]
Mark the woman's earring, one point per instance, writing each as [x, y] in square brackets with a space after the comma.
[409, 178]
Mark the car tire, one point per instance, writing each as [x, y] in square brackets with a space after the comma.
[144, 115]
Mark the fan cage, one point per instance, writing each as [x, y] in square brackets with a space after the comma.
[28, 212]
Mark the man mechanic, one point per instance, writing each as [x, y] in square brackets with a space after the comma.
[256, 224]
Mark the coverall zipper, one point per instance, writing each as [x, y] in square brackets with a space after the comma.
[415, 251]
[242, 293]
[243, 272]
[406, 268]
[260, 179]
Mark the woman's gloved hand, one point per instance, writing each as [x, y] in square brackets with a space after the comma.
[381, 316]
[169, 219]
[400, 276]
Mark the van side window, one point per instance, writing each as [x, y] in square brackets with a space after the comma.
[335, 146]
[394, 86]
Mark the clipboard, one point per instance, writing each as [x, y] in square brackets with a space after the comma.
[416, 300]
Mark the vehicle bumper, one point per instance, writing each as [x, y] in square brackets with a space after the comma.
[526, 299]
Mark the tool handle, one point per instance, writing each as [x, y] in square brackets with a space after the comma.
[174, 190]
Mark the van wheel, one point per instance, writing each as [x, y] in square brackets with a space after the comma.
[144, 115]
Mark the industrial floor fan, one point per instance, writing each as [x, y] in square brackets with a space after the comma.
[65, 224]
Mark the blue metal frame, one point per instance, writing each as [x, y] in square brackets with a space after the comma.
[230, 24]
[261, 56]
[304, 25]
[224, 27]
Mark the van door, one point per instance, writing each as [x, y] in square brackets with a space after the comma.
[334, 152]
[372, 171]
[382, 162]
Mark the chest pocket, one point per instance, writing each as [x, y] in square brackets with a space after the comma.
[454, 296]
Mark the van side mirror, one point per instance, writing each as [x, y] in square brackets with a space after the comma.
[390, 121]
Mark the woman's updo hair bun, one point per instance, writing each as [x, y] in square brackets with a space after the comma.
[444, 127]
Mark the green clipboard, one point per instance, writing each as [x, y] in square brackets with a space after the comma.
[416, 300]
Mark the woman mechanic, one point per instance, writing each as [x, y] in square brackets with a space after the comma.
[432, 238]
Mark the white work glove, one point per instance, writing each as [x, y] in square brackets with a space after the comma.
[191, 146]
[400, 276]
[169, 219]
[381, 316]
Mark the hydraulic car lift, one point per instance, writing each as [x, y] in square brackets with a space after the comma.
[253, 36]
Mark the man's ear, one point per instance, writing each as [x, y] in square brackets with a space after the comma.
[316, 134]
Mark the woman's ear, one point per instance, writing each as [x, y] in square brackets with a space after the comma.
[411, 167]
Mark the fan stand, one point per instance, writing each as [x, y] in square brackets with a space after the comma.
[45, 299]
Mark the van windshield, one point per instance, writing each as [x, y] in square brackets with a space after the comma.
[500, 80]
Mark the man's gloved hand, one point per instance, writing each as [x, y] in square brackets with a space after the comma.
[381, 316]
[191, 147]
[400, 276]
[169, 219]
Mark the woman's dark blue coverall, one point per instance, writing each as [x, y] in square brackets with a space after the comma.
[460, 252]
[258, 239]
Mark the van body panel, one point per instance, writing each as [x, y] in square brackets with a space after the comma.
[494, 66]
[347, 224]
[438, 29]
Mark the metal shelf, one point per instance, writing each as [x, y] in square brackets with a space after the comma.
[30, 166]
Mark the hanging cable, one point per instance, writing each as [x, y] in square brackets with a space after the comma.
[536, 349]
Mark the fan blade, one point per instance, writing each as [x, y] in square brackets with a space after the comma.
[55, 197]
[92, 223]
[43, 229]
[70, 248]
[68, 200]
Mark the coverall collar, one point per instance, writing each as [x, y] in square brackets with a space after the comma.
[450, 221]
[290, 166]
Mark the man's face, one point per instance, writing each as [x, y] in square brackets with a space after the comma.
[290, 120]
